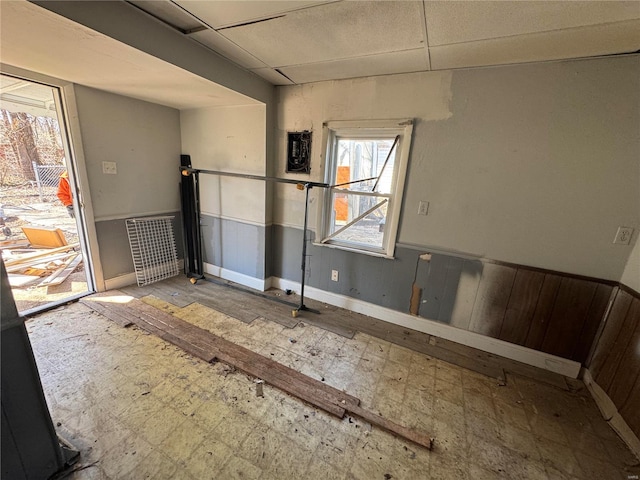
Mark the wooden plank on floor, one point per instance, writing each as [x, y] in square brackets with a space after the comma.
[210, 346]
[414, 436]
[100, 305]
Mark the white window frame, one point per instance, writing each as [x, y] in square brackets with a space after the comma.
[365, 129]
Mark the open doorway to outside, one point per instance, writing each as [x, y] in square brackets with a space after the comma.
[41, 231]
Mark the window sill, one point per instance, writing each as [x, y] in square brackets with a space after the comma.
[354, 250]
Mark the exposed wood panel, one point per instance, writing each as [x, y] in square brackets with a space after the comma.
[568, 316]
[542, 314]
[617, 350]
[466, 293]
[454, 275]
[492, 299]
[616, 318]
[521, 306]
[594, 318]
[630, 411]
[431, 275]
[628, 372]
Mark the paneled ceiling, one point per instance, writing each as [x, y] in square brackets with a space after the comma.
[294, 42]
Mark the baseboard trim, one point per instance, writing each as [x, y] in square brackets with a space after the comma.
[610, 413]
[552, 363]
[120, 281]
[246, 280]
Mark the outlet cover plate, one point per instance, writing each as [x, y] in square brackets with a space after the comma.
[623, 236]
[334, 275]
[110, 168]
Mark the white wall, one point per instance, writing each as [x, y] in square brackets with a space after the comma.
[530, 164]
[144, 141]
[631, 274]
[229, 139]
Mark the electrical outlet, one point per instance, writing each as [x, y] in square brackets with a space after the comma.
[423, 208]
[110, 168]
[623, 235]
[334, 275]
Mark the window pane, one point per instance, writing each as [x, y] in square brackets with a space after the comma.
[368, 230]
[364, 158]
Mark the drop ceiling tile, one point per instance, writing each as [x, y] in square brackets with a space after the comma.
[226, 48]
[271, 76]
[371, 65]
[221, 14]
[456, 22]
[588, 41]
[332, 31]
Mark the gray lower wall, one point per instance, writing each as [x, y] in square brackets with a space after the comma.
[115, 252]
[376, 280]
[549, 311]
[235, 246]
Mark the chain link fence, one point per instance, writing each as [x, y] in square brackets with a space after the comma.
[47, 178]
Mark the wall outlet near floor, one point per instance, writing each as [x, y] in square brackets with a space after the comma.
[334, 275]
[623, 235]
[110, 168]
[423, 208]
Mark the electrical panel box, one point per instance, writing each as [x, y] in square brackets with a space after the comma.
[299, 152]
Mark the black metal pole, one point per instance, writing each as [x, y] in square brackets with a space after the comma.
[304, 245]
[198, 246]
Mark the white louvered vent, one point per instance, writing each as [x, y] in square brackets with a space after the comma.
[153, 248]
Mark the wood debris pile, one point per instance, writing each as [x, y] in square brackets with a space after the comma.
[39, 267]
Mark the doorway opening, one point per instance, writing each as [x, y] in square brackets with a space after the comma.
[42, 234]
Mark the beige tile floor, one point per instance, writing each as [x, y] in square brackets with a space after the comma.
[141, 408]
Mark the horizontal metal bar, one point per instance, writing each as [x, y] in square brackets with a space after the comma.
[255, 177]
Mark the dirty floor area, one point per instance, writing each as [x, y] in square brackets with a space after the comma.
[138, 407]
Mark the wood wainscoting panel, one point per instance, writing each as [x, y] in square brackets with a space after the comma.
[522, 306]
[616, 318]
[542, 314]
[619, 347]
[568, 316]
[492, 299]
[597, 311]
[627, 374]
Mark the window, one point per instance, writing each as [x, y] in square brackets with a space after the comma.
[365, 164]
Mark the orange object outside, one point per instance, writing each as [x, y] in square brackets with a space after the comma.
[64, 190]
[341, 204]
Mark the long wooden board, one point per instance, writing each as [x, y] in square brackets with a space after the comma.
[211, 347]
